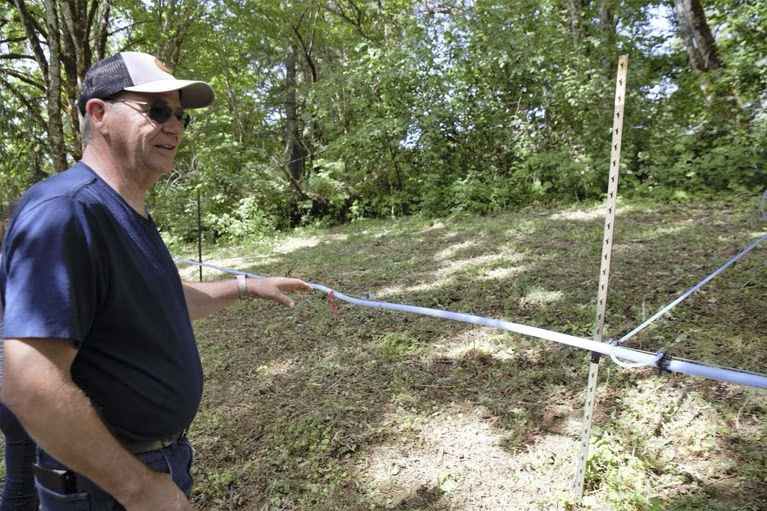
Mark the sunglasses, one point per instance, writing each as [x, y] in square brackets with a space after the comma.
[159, 111]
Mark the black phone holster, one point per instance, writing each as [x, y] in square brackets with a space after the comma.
[56, 479]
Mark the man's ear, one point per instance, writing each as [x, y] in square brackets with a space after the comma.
[96, 108]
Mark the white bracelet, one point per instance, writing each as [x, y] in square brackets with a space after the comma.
[242, 287]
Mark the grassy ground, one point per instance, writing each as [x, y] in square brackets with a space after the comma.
[306, 409]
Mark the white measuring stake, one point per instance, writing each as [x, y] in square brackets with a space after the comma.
[604, 275]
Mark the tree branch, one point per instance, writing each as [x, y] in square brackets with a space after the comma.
[23, 78]
[32, 108]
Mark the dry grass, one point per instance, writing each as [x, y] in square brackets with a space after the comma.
[367, 409]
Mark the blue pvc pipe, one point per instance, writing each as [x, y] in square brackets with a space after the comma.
[637, 357]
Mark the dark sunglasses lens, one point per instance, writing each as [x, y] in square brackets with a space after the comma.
[159, 113]
[183, 117]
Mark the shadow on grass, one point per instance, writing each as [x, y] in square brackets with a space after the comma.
[306, 409]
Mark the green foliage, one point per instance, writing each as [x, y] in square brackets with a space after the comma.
[733, 161]
[401, 107]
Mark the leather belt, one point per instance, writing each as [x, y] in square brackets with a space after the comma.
[137, 447]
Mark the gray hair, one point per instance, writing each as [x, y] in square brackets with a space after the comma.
[86, 128]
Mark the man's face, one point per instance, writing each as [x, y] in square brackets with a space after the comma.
[139, 140]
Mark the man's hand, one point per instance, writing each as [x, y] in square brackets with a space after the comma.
[206, 298]
[274, 288]
[159, 493]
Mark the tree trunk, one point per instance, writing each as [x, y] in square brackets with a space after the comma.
[575, 8]
[697, 37]
[608, 33]
[294, 150]
[174, 19]
[53, 79]
[703, 56]
[68, 28]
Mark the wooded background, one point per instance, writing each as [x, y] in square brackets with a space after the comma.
[334, 110]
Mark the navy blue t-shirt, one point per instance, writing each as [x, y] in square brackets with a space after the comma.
[80, 264]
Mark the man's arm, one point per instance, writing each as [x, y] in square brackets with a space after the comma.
[205, 298]
[38, 388]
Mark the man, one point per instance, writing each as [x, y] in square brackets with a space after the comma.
[101, 365]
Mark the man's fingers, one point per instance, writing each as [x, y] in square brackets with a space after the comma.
[296, 285]
[274, 288]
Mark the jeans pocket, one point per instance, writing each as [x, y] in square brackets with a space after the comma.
[186, 444]
[179, 458]
[54, 501]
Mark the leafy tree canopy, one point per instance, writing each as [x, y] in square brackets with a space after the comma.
[335, 110]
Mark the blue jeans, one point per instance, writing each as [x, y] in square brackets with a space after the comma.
[19, 492]
[175, 460]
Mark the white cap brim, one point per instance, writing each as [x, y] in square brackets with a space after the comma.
[194, 94]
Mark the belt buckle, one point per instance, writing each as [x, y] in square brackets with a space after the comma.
[167, 442]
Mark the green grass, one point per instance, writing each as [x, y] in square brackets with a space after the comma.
[368, 409]
[305, 409]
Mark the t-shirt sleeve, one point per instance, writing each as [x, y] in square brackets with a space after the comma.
[50, 268]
